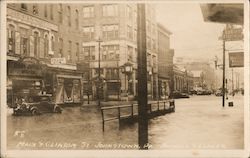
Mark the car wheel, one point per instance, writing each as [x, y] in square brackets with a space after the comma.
[58, 110]
[34, 112]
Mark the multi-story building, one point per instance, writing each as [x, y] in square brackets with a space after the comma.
[43, 46]
[46, 43]
[114, 28]
[183, 79]
[165, 62]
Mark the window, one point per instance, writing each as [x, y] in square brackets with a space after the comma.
[69, 16]
[153, 44]
[130, 53]
[35, 9]
[52, 43]
[60, 47]
[23, 6]
[89, 52]
[88, 33]
[129, 32]
[112, 73]
[46, 45]
[129, 12]
[110, 32]
[148, 43]
[135, 35]
[77, 51]
[148, 59]
[45, 11]
[148, 27]
[88, 12]
[154, 62]
[77, 19]
[110, 10]
[110, 52]
[36, 44]
[60, 15]
[11, 39]
[51, 12]
[69, 51]
[24, 41]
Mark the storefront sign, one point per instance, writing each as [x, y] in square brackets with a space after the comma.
[30, 20]
[232, 34]
[58, 61]
[236, 59]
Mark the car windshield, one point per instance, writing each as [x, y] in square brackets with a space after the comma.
[38, 99]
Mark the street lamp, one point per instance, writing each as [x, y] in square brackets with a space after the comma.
[127, 69]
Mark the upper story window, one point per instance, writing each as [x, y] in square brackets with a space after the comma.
[24, 6]
[11, 39]
[60, 13]
[69, 51]
[88, 12]
[77, 19]
[130, 53]
[46, 45]
[110, 32]
[129, 12]
[110, 52]
[46, 11]
[60, 47]
[36, 44]
[77, 51]
[88, 33]
[110, 10]
[130, 32]
[51, 12]
[69, 16]
[89, 52]
[35, 9]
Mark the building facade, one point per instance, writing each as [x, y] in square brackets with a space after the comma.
[183, 80]
[165, 62]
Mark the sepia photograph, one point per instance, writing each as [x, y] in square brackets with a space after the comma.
[125, 78]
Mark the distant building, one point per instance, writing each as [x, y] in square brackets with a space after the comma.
[183, 80]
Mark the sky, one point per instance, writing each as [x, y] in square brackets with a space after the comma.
[191, 36]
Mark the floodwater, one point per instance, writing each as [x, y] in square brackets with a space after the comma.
[199, 122]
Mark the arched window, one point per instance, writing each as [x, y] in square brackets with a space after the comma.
[60, 13]
[46, 45]
[36, 43]
[77, 19]
[69, 15]
[52, 43]
[60, 47]
[11, 39]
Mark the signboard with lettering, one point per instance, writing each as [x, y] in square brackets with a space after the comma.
[232, 34]
[58, 61]
[236, 59]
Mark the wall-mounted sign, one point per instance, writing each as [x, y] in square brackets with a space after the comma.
[233, 34]
[58, 61]
[236, 59]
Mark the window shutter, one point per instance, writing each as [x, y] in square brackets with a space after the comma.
[41, 55]
[31, 46]
[18, 43]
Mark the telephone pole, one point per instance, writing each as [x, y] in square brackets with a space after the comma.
[142, 78]
[223, 78]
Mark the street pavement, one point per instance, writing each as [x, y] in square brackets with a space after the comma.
[199, 122]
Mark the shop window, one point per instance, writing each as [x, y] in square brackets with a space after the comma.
[60, 14]
[89, 53]
[110, 10]
[110, 32]
[110, 52]
[24, 6]
[88, 33]
[88, 12]
[112, 74]
[11, 39]
[35, 9]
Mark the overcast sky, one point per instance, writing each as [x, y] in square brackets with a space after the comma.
[192, 37]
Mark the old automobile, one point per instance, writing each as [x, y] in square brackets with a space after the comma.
[36, 105]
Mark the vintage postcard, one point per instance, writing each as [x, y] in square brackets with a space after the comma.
[125, 78]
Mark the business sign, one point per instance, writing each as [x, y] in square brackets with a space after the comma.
[58, 61]
[84, 66]
[232, 34]
[236, 59]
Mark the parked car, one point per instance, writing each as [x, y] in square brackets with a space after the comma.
[177, 94]
[204, 92]
[218, 93]
[36, 105]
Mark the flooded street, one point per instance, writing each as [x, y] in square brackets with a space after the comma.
[199, 122]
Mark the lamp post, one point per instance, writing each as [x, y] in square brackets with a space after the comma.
[127, 69]
[99, 71]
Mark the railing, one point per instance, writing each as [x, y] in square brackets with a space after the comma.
[131, 110]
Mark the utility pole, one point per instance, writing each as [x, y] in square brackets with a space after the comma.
[142, 78]
[99, 72]
[232, 81]
[88, 76]
[223, 80]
